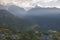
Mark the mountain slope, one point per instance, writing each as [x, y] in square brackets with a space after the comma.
[46, 18]
[2, 7]
[16, 10]
[11, 21]
[43, 11]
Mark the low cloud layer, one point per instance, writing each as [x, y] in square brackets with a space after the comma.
[33, 3]
[47, 3]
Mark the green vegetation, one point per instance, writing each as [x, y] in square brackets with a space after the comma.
[9, 20]
[8, 34]
[15, 28]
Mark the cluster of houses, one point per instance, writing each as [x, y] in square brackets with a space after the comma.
[49, 36]
[11, 37]
[44, 36]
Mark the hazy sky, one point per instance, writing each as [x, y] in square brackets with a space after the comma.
[33, 3]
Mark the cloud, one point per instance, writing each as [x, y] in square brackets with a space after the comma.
[47, 3]
[33, 3]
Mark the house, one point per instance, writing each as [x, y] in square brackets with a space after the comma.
[52, 31]
[15, 37]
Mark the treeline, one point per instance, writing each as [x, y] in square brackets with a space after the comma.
[9, 34]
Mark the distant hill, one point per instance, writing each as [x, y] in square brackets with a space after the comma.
[43, 11]
[9, 20]
[47, 18]
[2, 7]
[18, 11]
[15, 10]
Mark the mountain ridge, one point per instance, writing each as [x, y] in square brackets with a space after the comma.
[14, 22]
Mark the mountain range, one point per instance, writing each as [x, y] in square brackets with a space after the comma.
[46, 18]
[9, 20]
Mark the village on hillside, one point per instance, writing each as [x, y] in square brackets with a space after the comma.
[7, 34]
